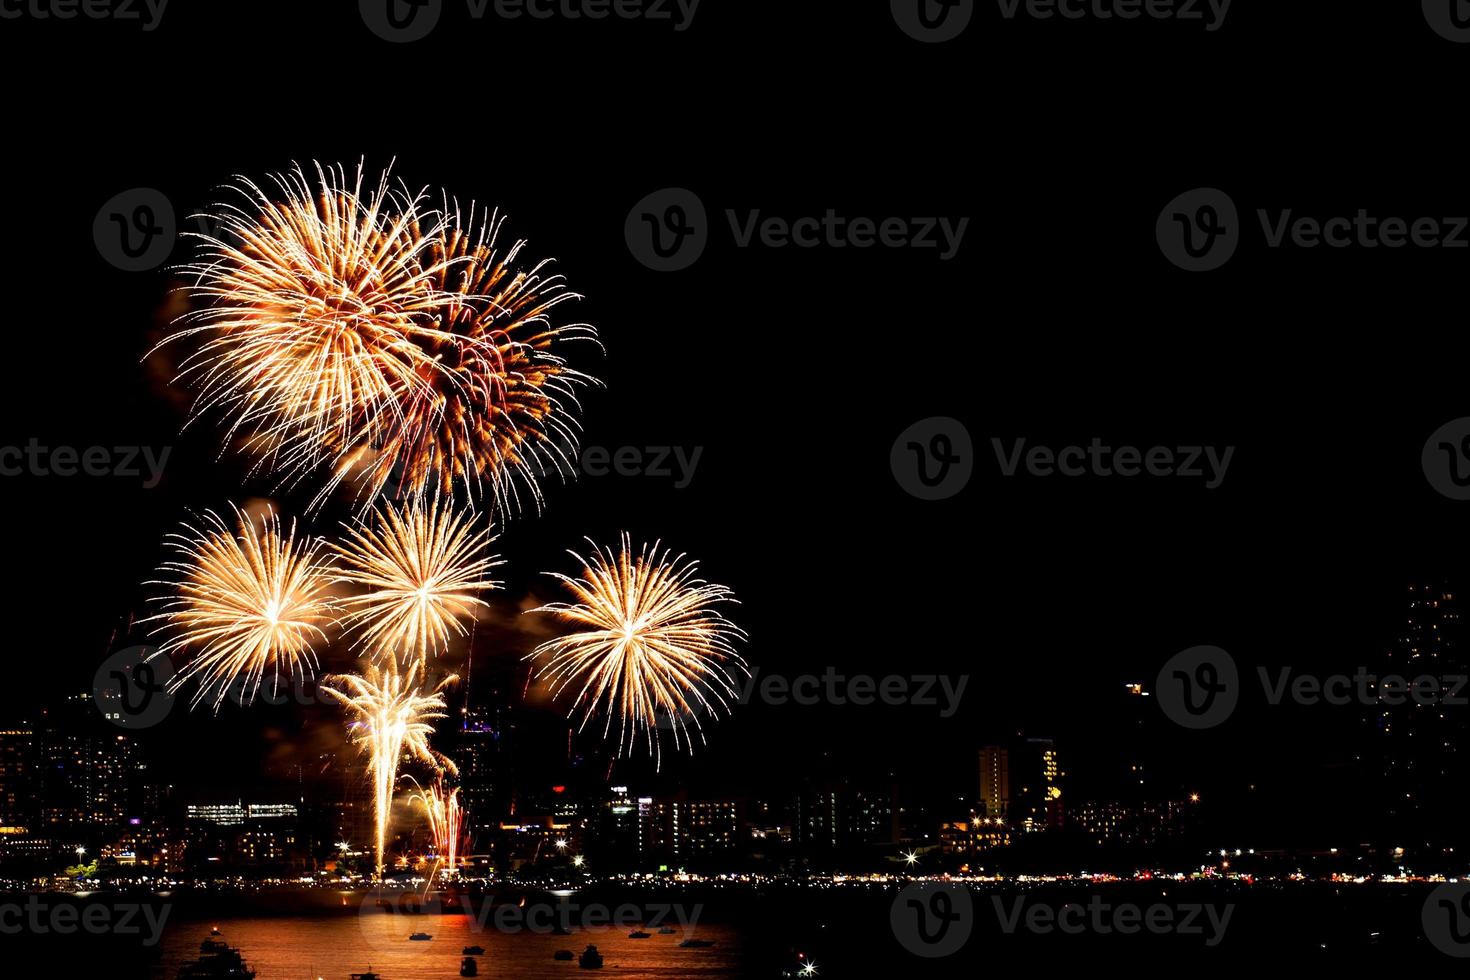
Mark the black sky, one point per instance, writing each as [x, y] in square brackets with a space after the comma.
[796, 369]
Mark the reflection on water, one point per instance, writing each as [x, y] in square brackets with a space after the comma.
[332, 948]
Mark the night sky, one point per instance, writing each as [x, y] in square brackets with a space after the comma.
[796, 369]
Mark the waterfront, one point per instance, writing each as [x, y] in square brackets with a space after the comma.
[301, 948]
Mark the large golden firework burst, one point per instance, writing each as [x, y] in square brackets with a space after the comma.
[419, 566]
[649, 644]
[241, 601]
[355, 332]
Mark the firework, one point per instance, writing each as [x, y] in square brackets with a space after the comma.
[649, 646]
[356, 331]
[420, 566]
[242, 602]
[391, 717]
[446, 820]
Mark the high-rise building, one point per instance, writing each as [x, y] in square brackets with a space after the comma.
[481, 770]
[1418, 748]
[91, 775]
[19, 778]
[679, 831]
[995, 781]
[1037, 778]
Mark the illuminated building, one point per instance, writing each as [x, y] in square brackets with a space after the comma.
[1038, 779]
[995, 781]
[19, 800]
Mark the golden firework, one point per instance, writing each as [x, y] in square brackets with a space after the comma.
[649, 646]
[420, 566]
[355, 330]
[446, 821]
[392, 717]
[242, 602]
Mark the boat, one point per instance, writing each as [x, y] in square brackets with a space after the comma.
[467, 967]
[473, 951]
[590, 959]
[563, 954]
[666, 931]
[363, 976]
[419, 937]
[696, 944]
[638, 934]
[214, 931]
[560, 930]
[221, 963]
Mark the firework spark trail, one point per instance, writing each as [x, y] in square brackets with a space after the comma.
[360, 332]
[391, 718]
[648, 641]
[421, 566]
[242, 601]
[446, 821]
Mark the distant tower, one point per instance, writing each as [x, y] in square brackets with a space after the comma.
[1038, 777]
[995, 781]
[19, 774]
[1418, 747]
